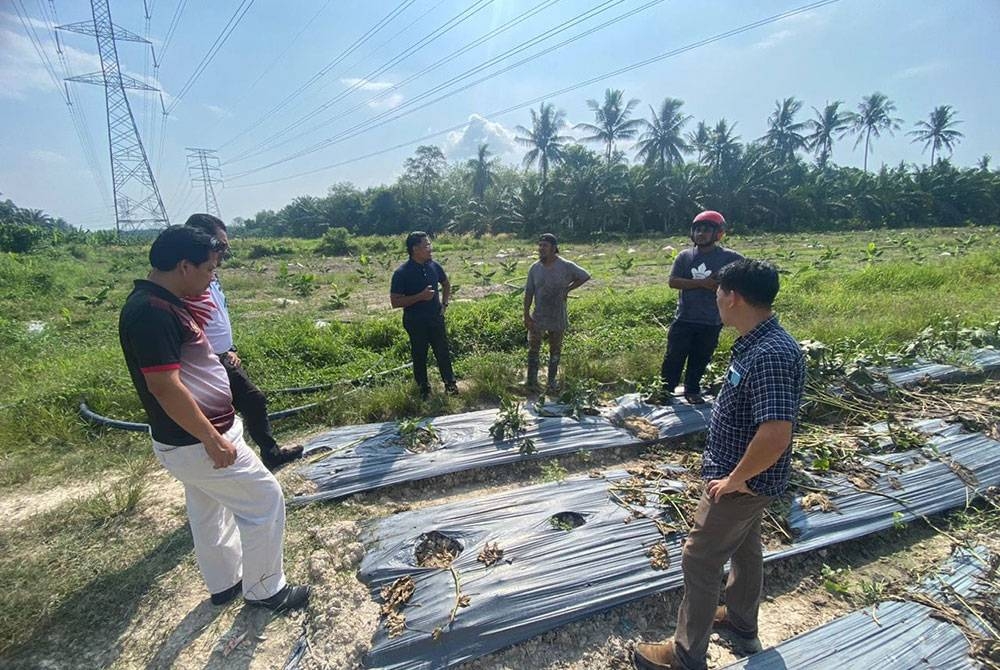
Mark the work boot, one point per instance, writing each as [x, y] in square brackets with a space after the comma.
[553, 384]
[744, 642]
[531, 382]
[451, 388]
[653, 656]
[694, 398]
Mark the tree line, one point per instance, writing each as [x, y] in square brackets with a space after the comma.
[784, 180]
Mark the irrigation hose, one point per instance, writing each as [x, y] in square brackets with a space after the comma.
[93, 417]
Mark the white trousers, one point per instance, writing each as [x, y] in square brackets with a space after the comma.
[237, 516]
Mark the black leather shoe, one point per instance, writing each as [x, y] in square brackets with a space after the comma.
[288, 598]
[223, 597]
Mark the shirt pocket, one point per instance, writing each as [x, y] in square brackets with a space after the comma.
[733, 391]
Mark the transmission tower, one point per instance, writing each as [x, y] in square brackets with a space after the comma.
[137, 199]
[203, 166]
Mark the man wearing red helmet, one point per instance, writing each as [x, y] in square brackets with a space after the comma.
[694, 334]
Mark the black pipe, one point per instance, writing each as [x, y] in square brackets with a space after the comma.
[95, 418]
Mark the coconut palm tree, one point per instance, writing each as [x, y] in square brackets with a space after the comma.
[699, 139]
[546, 143]
[784, 135]
[481, 175]
[723, 145]
[938, 131]
[827, 124]
[663, 142]
[874, 115]
[612, 121]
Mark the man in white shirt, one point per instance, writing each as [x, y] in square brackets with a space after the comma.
[211, 312]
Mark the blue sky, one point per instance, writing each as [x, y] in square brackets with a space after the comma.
[920, 53]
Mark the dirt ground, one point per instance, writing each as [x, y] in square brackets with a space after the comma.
[175, 626]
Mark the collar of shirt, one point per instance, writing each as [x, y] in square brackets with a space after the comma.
[744, 342]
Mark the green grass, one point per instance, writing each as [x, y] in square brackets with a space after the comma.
[831, 292]
[95, 556]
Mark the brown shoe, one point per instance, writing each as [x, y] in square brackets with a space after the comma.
[656, 656]
[744, 642]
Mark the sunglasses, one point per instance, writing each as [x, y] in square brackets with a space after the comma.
[221, 248]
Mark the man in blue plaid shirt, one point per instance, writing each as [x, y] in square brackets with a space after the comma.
[746, 465]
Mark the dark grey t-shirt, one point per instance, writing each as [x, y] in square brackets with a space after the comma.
[697, 305]
[548, 286]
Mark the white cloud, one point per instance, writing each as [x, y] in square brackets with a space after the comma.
[22, 71]
[390, 101]
[918, 71]
[366, 85]
[219, 112]
[480, 130]
[793, 26]
[47, 157]
[774, 39]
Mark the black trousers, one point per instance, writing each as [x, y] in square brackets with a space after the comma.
[693, 343]
[424, 331]
[250, 402]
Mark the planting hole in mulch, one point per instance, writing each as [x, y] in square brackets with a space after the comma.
[567, 520]
[436, 550]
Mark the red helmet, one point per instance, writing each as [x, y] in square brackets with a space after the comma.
[711, 217]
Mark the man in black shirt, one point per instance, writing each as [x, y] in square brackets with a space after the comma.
[235, 506]
[415, 288]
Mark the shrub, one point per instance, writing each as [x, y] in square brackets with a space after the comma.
[18, 238]
[336, 242]
[268, 249]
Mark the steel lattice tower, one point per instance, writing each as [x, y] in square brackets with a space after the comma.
[203, 166]
[137, 199]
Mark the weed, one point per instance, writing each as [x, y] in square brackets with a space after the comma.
[835, 580]
[303, 284]
[552, 471]
[418, 435]
[874, 590]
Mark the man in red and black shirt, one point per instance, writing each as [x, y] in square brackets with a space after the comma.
[235, 506]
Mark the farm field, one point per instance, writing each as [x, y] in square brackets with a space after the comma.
[96, 552]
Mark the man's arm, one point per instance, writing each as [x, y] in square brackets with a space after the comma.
[529, 296]
[179, 404]
[768, 444]
[685, 284]
[399, 300]
[445, 291]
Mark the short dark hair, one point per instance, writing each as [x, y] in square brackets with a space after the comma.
[756, 281]
[415, 238]
[180, 243]
[550, 238]
[206, 223]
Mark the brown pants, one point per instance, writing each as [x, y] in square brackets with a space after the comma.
[724, 530]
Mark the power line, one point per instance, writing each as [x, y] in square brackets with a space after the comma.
[293, 41]
[551, 94]
[381, 23]
[409, 51]
[377, 120]
[79, 124]
[172, 28]
[264, 148]
[209, 56]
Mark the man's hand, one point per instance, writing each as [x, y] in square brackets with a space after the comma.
[720, 487]
[233, 359]
[221, 451]
[427, 294]
[529, 323]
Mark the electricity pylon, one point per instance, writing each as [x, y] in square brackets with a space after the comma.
[137, 199]
[203, 166]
